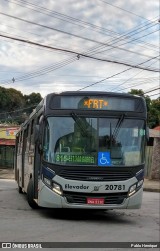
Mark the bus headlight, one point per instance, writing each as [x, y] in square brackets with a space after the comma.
[134, 188]
[57, 188]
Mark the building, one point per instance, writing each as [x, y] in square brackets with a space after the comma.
[7, 145]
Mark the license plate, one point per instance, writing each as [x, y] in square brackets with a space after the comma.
[95, 201]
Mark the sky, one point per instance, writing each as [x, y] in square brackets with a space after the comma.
[92, 45]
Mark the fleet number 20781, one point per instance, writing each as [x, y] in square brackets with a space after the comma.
[115, 187]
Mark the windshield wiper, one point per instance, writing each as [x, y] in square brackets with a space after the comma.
[118, 126]
[80, 123]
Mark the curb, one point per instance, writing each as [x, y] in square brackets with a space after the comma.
[150, 189]
[6, 178]
[4, 174]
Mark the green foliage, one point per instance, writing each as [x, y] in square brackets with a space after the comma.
[137, 92]
[154, 113]
[13, 105]
[32, 100]
[153, 117]
[10, 99]
[153, 108]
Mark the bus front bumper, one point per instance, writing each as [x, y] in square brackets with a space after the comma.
[50, 199]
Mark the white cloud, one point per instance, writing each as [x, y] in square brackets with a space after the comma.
[94, 20]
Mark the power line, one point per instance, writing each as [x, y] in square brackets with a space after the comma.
[130, 12]
[124, 44]
[89, 54]
[66, 33]
[82, 55]
[133, 76]
[104, 44]
[60, 16]
[64, 17]
[19, 109]
[155, 95]
[152, 90]
[103, 79]
[121, 38]
[78, 54]
[110, 76]
[130, 86]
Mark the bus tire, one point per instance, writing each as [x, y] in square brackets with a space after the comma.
[30, 195]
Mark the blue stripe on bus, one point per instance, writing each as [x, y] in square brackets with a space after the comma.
[48, 172]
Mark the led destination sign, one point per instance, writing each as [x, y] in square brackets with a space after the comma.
[97, 103]
[74, 158]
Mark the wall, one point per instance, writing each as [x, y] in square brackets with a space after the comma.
[148, 161]
[6, 156]
[155, 167]
[7, 145]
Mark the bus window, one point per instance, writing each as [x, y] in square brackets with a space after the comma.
[68, 140]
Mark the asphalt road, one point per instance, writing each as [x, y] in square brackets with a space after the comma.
[20, 223]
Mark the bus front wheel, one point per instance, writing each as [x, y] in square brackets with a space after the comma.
[30, 195]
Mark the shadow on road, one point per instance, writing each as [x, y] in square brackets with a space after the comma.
[105, 216]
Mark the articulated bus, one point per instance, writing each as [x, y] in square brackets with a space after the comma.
[83, 150]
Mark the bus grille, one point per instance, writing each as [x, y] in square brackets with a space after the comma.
[96, 175]
[80, 198]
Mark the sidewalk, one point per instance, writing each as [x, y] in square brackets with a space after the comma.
[149, 185]
[6, 173]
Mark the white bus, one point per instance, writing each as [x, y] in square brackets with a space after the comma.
[83, 150]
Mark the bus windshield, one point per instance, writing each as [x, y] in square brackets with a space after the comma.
[108, 141]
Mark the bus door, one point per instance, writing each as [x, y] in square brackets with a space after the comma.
[37, 165]
[15, 157]
[37, 159]
[23, 154]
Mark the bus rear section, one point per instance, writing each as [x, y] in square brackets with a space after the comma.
[89, 152]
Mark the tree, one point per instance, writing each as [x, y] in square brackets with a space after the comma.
[13, 105]
[153, 108]
[32, 100]
[154, 113]
[10, 99]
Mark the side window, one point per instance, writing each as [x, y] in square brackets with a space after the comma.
[31, 134]
[46, 142]
[20, 143]
[25, 135]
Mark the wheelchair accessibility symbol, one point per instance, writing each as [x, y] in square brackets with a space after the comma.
[104, 159]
